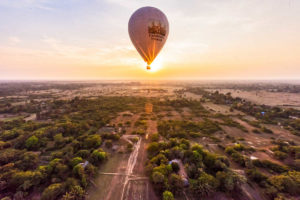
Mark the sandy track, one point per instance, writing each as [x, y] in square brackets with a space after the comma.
[130, 165]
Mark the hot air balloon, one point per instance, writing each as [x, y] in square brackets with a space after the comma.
[148, 29]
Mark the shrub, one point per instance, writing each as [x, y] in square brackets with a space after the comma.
[83, 153]
[32, 143]
[238, 158]
[108, 144]
[270, 165]
[92, 141]
[167, 195]
[76, 193]
[280, 155]
[288, 182]
[9, 134]
[229, 180]
[256, 131]
[153, 149]
[255, 175]
[75, 161]
[176, 183]
[154, 137]
[26, 179]
[266, 130]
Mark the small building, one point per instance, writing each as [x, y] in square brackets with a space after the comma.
[84, 164]
[107, 129]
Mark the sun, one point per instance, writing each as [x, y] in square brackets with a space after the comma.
[156, 65]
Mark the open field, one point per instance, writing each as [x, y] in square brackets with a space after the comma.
[281, 99]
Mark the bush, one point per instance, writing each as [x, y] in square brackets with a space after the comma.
[167, 195]
[76, 193]
[176, 183]
[129, 147]
[238, 158]
[29, 161]
[108, 144]
[266, 130]
[204, 185]
[256, 131]
[26, 179]
[92, 141]
[256, 176]
[270, 165]
[83, 153]
[9, 134]
[153, 149]
[229, 180]
[288, 182]
[280, 155]
[154, 137]
[32, 143]
[78, 171]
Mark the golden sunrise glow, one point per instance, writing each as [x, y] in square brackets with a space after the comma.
[208, 39]
[156, 65]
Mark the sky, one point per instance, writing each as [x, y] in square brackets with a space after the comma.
[208, 39]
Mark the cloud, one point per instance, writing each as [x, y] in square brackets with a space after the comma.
[107, 54]
[39, 4]
[13, 40]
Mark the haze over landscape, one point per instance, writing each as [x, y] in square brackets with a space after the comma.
[43, 39]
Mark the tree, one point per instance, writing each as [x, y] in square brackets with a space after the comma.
[229, 180]
[10, 134]
[26, 179]
[153, 148]
[78, 170]
[158, 177]
[83, 153]
[29, 161]
[167, 195]
[76, 193]
[204, 185]
[52, 192]
[59, 139]
[154, 137]
[175, 167]
[98, 156]
[287, 182]
[92, 141]
[176, 183]
[75, 161]
[9, 155]
[32, 142]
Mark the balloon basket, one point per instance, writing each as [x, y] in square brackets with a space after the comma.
[148, 67]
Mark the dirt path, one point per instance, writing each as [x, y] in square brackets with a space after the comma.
[140, 188]
[131, 163]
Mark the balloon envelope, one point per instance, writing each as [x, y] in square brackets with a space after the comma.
[148, 29]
